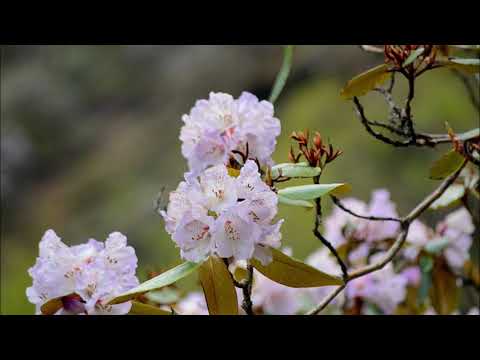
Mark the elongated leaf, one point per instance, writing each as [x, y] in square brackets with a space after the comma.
[444, 293]
[218, 287]
[139, 308]
[51, 306]
[426, 266]
[363, 83]
[449, 197]
[469, 66]
[283, 74]
[293, 273]
[313, 191]
[446, 165]
[286, 201]
[164, 296]
[413, 56]
[300, 170]
[164, 279]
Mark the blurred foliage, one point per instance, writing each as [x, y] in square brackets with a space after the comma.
[90, 136]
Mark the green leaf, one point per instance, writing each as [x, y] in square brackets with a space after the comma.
[164, 296]
[446, 165]
[218, 287]
[300, 170]
[293, 273]
[286, 201]
[283, 74]
[164, 279]
[313, 191]
[470, 66]
[413, 56]
[139, 308]
[453, 193]
[424, 289]
[426, 264]
[363, 83]
[436, 246]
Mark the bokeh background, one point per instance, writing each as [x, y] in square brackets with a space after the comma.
[89, 136]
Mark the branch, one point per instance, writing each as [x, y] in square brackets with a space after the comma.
[247, 304]
[372, 218]
[400, 240]
[421, 139]
[318, 234]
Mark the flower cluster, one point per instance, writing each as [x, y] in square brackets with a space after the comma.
[456, 230]
[85, 276]
[218, 214]
[342, 227]
[217, 126]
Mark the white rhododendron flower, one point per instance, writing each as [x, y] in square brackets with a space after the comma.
[323, 260]
[217, 126]
[457, 229]
[341, 226]
[86, 276]
[218, 214]
[384, 288]
[193, 304]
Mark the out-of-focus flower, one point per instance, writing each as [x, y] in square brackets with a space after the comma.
[413, 275]
[324, 261]
[85, 276]
[217, 126]
[417, 237]
[193, 304]
[216, 213]
[272, 298]
[456, 229]
[384, 288]
[341, 227]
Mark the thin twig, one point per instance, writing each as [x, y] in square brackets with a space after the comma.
[337, 202]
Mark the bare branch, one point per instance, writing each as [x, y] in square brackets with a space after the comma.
[372, 218]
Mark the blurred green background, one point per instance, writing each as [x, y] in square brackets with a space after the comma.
[89, 136]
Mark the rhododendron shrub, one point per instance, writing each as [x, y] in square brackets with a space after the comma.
[223, 218]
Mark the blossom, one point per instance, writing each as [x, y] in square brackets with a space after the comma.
[384, 288]
[221, 124]
[85, 276]
[193, 304]
[323, 260]
[340, 225]
[456, 229]
[217, 214]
